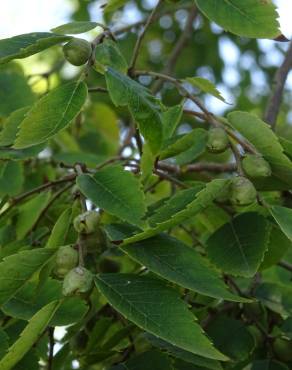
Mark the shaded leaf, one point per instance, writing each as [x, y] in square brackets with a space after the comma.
[29, 213]
[231, 337]
[17, 269]
[11, 126]
[15, 92]
[238, 247]
[29, 300]
[176, 262]
[155, 307]
[180, 207]
[29, 336]
[179, 144]
[283, 217]
[170, 120]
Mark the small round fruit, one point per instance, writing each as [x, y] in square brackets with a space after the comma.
[283, 349]
[242, 191]
[77, 51]
[87, 222]
[256, 166]
[217, 140]
[78, 281]
[66, 259]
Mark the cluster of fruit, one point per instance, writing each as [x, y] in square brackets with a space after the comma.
[77, 279]
[241, 191]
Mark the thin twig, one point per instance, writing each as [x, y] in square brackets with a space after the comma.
[285, 265]
[198, 167]
[142, 35]
[40, 188]
[274, 103]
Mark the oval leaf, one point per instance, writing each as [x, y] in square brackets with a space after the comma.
[17, 269]
[156, 308]
[116, 191]
[22, 46]
[176, 262]
[51, 114]
[249, 18]
[74, 28]
[238, 247]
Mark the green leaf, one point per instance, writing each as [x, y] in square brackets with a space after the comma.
[265, 141]
[176, 262]
[60, 230]
[15, 92]
[147, 164]
[249, 18]
[179, 144]
[180, 207]
[170, 120]
[17, 269]
[266, 364]
[277, 247]
[148, 360]
[206, 86]
[13, 154]
[108, 54]
[145, 108]
[29, 300]
[11, 178]
[232, 337]
[51, 113]
[277, 297]
[283, 217]
[238, 247]
[23, 46]
[114, 5]
[11, 126]
[29, 336]
[188, 357]
[29, 213]
[156, 308]
[4, 342]
[74, 28]
[116, 191]
[197, 149]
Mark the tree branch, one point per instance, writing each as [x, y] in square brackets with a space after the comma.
[275, 100]
[142, 35]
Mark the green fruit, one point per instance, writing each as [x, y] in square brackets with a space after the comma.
[78, 281]
[77, 51]
[283, 349]
[217, 140]
[87, 222]
[66, 259]
[256, 166]
[242, 191]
